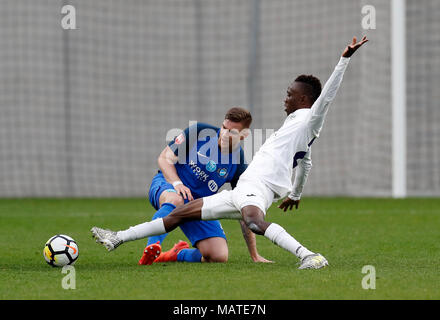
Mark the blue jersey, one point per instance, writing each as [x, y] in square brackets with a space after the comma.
[201, 165]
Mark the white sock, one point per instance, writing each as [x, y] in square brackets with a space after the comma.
[279, 236]
[143, 230]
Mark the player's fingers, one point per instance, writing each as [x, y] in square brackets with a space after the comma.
[266, 261]
[187, 193]
[182, 192]
[296, 205]
[364, 39]
[354, 41]
[269, 261]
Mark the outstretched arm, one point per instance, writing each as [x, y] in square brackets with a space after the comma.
[328, 93]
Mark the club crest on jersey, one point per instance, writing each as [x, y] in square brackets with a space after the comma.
[222, 172]
[179, 139]
[211, 166]
[212, 185]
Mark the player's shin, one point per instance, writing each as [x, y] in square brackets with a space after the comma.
[280, 237]
[143, 230]
[164, 210]
[187, 212]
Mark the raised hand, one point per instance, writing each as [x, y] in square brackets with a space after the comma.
[351, 48]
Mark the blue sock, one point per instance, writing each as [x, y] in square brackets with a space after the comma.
[189, 255]
[162, 212]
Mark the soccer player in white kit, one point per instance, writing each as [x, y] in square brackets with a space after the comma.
[268, 176]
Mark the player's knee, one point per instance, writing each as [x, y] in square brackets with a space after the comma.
[254, 227]
[216, 256]
[174, 199]
[257, 226]
[254, 220]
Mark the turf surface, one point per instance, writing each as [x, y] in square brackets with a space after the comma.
[400, 238]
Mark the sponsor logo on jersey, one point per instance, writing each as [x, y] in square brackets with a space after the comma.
[199, 173]
[211, 166]
[212, 185]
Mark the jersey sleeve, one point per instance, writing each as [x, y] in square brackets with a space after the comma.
[241, 167]
[301, 174]
[328, 93]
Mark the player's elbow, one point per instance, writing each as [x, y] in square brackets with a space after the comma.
[167, 157]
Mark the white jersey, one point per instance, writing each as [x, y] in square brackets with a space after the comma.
[273, 164]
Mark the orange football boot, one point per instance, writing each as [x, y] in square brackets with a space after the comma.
[151, 252]
[171, 255]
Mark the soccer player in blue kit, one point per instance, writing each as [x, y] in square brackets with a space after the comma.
[194, 165]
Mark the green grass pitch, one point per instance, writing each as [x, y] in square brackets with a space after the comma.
[400, 238]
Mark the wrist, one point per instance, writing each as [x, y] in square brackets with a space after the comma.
[176, 183]
[294, 197]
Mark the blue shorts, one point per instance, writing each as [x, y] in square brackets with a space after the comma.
[193, 230]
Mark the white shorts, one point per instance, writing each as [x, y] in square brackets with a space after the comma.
[228, 203]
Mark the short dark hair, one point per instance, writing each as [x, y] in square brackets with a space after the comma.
[314, 83]
[237, 114]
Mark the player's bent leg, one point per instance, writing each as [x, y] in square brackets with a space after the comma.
[213, 249]
[171, 197]
[206, 236]
[254, 219]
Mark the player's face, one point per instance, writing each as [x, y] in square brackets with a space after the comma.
[293, 99]
[230, 135]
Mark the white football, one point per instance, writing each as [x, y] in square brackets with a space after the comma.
[60, 250]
